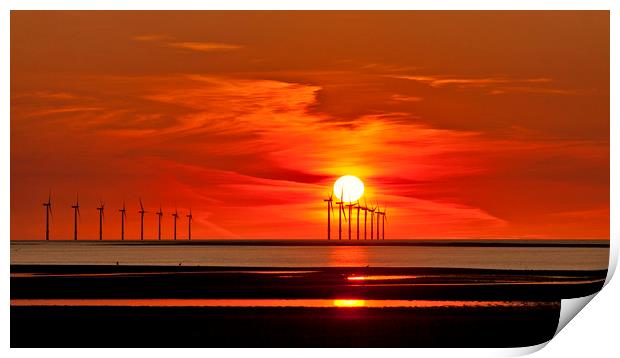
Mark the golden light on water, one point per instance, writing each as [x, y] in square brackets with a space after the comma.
[348, 188]
[349, 303]
[380, 277]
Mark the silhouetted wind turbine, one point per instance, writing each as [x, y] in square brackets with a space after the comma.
[372, 217]
[159, 213]
[100, 209]
[340, 212]
[379, 213]
[358, 219]
[329, 201]
[76, 212]
[384, 217]
[189, 225]
[176, 216]
[141, 212]
[365, 208]
[350, 205]
[123, 212]
[48, 213]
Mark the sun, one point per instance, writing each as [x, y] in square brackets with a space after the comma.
[349, 187]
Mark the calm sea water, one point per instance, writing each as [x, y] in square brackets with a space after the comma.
[102, 253]
[346, 303]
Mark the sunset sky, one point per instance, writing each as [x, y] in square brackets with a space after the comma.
[466, 124]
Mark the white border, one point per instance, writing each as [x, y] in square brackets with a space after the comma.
[593, 334]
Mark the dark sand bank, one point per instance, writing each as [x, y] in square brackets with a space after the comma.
[71, 281]
[276, 327]
[156, 326]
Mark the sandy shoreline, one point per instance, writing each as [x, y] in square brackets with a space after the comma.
[78, 281]
[468, 325]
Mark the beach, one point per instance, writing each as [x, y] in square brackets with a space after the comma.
[165, 305]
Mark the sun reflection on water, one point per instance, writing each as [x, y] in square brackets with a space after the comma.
[348, 256]
[380, 277]
[349, 303]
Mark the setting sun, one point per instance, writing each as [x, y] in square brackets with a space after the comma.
[351, 188]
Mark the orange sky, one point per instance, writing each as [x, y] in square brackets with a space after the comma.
[467, 124]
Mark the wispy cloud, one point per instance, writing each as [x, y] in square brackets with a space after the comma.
[199, 46]
[204, 46]
[63, 110]
[530, 89]
[440, 81]
[494, 85]
[401, 98]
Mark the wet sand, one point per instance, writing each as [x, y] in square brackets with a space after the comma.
[276, 327]
[233, 325]
[68, 281]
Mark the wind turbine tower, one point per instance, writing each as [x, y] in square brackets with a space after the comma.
[350, 205]
[76, 212]
[100, 209]
[330, 207]
[189, 225]
[379, 214]
[357, 206]
[340, 211]
[176, 216]
[384, 217]
[141, 212]
[365, 208]
[123, 212]
[48, 214]
[372, 217]
[160, 214]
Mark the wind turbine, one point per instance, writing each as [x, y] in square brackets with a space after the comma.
[76, 212]
[358, 219]
[384, 216]
[340, 211]
[189, 225]
[100, 209]
[159, 213]
[365, 208]
[379, 214]
[123, 212]
[176, 216]
[372, 217]
[141, 212]
[48, 214]
[350, 205]
[329, 201]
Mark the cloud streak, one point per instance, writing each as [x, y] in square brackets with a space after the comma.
[494, 85]
[198, 46]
